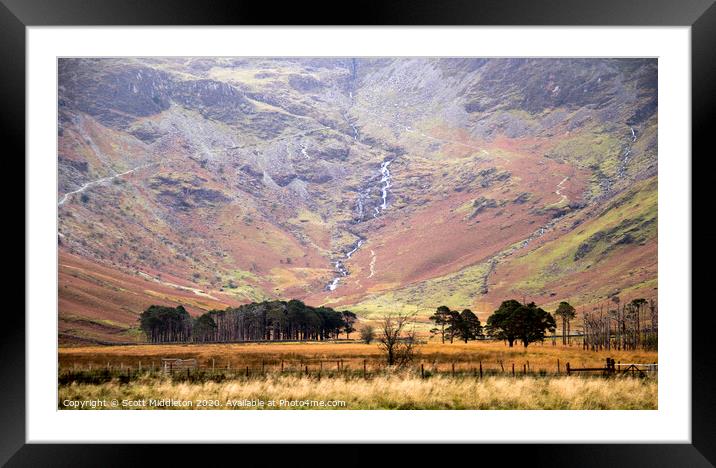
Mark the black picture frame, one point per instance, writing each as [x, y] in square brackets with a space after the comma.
[700, 15]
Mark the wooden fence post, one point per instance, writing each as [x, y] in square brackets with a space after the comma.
[247, 371]
[422, 371]
[559, 371]
[480, 369]
[453, 369]
[568, 373]
[513, 369]
[364, 369]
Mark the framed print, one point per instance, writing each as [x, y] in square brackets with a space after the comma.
[436, 224]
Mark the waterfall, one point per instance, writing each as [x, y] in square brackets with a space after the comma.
[384, 183]
[340, 268]
[385, 180]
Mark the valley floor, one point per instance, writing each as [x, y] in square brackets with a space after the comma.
[351, 375]
[434, 355]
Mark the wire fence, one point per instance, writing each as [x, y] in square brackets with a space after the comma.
[193, 370]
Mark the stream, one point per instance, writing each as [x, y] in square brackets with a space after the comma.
[621, 171]
[341, 269]
[385, 180]
[382, 183]
[355, 130]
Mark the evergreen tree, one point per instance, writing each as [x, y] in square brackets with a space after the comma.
[500, 324]
[468, 326]
[566, 312]
[441, 317]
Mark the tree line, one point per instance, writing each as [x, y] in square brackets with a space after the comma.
[166, 324]
[512, 321]
[627, 326]
[630, 325]
[258, 321]
[465, 325]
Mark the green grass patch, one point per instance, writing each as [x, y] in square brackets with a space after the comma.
[456, 290]
[630, 218]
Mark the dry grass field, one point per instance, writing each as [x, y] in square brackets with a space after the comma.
[383, 392]
[433, 354]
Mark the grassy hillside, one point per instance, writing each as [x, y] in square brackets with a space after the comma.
[373, 183]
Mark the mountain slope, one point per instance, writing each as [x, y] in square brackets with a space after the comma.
[371, 183]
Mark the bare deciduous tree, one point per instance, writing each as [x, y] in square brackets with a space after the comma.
[635, 326]
[397, 340]
[367, 333]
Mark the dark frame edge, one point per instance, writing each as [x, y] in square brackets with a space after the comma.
[12, 125]
[365, 12]
[703, 102]
[13, 447]
[582, 455]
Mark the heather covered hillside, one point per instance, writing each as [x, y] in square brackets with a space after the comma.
[375, 184]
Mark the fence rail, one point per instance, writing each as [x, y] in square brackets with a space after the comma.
[613, 368]
[211, 369]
